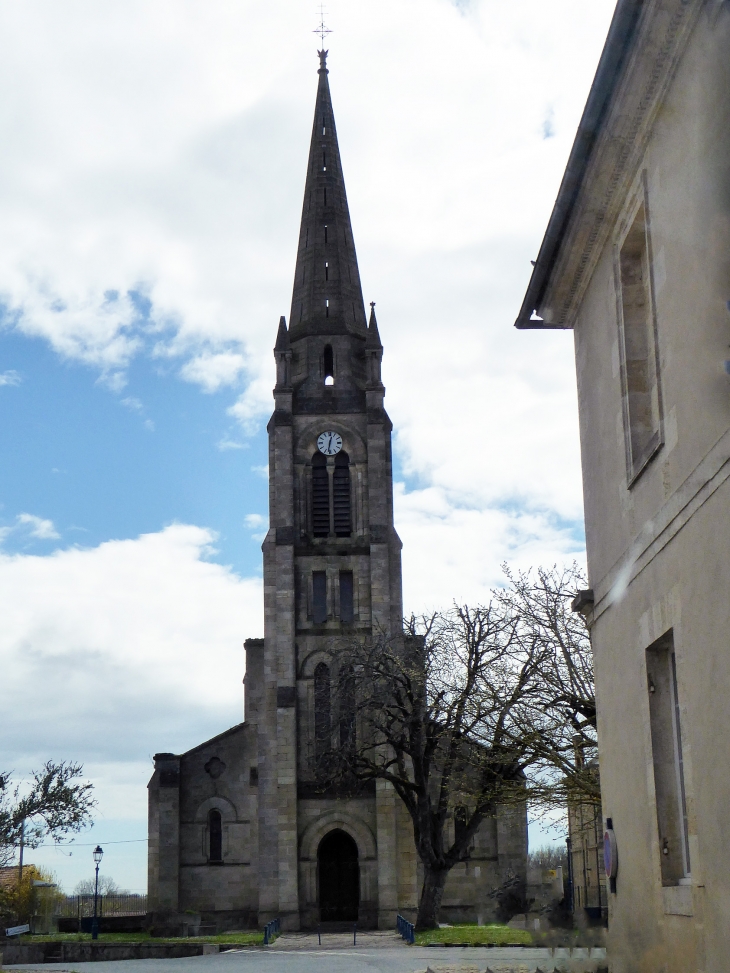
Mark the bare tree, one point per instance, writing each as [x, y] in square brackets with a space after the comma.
[560, 716]
[107, 886]
[437, 713]
[58, 802]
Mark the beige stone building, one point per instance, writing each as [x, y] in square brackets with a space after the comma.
[636, 260]
[240, 829]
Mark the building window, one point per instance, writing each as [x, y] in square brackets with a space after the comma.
[322, 711]
[320, 496]
[639, 363]
[215, 836]
[329, 358]
[341, 495]
[666, 744]
[347, 601]
[319, 597]
[347, 710]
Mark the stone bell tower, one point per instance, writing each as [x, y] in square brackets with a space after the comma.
[331, 556]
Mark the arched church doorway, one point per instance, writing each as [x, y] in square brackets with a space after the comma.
[339, 877]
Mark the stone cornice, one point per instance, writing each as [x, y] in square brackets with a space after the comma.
[663, 32]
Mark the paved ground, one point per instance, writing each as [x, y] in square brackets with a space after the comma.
[375, 952]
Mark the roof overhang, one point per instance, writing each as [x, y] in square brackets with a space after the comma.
[621, 39]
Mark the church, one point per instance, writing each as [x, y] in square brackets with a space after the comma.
[240, 830]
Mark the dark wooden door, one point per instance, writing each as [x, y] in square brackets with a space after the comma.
[339, 878]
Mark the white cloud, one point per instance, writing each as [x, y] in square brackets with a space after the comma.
[258, 525]
[455, 552]
[132, 403]
[212, 371]
[254, 521]
[253, 404]
[227, 443]
[142, 634]
[38, 527]
[10, 377]
[112, 653]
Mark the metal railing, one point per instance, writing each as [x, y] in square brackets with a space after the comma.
[271, 931]
[82, 906]
[406, 929]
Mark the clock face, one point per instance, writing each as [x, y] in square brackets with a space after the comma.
[329, 443]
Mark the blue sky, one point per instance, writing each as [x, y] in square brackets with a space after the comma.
[151, 178]
[103, 466]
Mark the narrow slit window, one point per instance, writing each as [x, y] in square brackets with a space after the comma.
[666, 745]
[341, 495]
[319, 597]
[215, 836]
[347, 598]
[326, 308]
[324, 161]
[326, 270]
[640, 372]
[306, 239]
[328, 362]
[325, 196]
[325, 233]
[322, 711]
[320, 496]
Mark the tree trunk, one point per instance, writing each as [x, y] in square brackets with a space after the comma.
[434, 880]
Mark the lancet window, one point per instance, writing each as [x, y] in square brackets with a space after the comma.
[215, 836]
[348, 739]
[322, 710]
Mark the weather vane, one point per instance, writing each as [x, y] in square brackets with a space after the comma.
[322, 30]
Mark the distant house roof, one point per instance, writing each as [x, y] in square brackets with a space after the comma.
[621, 36]
[9, 875]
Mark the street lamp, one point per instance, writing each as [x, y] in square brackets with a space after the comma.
[98, 855]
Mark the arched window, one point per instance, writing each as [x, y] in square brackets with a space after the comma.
[329, 362]
[341, 494]
[215, 836]
[348, 739]
[320, 496]
[322, 715]
[461, 816]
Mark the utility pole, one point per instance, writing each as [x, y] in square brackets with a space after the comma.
[22, 843]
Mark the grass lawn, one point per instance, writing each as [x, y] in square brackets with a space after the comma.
[247, 938]
[475, 935]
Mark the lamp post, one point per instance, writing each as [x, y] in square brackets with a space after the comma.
[98, 855]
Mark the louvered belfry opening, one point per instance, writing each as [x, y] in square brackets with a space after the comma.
[320, 496]
[341, 495]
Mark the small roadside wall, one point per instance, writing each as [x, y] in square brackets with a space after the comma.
[20, 951]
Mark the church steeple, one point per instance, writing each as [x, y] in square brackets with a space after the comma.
[327, 296]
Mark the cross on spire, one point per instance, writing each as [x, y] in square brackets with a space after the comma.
[322, 30]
